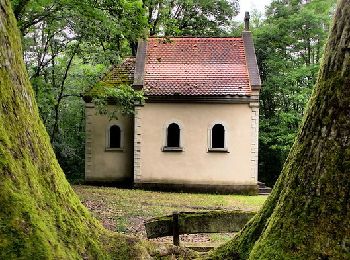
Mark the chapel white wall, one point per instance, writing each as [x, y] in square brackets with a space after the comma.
[102, 163]
[195, 165]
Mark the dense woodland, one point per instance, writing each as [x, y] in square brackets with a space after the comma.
[68, 45]
[305, 217]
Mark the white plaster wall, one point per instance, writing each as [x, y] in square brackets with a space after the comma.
[195, 165]
[103, 164]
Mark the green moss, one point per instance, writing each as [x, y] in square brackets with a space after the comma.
[118, 75]
[40, 215]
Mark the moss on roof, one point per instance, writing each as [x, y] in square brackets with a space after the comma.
[122, 73]
[116, 76]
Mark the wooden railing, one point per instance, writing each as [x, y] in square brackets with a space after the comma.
[197, 222]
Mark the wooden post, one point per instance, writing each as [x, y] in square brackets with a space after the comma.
[176, 233]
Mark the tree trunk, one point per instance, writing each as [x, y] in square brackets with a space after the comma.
[307, 216]
[40, 215]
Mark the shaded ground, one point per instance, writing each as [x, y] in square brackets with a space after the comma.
[125, 210]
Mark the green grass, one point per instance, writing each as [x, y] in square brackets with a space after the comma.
[124, 210]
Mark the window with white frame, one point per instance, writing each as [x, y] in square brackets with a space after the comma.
[173, 135]
[173, 138]
[217, 138]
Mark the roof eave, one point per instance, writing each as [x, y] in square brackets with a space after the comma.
[252, 64]
[236, 99]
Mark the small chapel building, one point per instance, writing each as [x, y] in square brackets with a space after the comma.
[198, 128]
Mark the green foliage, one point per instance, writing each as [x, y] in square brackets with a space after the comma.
[123, 95]
[289, 45]
[67, 47]
[69, 44]
[189, 17]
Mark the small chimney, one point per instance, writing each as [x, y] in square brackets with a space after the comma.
[246, 21]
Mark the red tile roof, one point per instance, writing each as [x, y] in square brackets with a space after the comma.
[196, 66]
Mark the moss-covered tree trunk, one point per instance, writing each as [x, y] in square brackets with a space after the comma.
[40, 215]
[307, 216]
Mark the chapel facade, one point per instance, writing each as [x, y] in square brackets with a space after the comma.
[198, 128]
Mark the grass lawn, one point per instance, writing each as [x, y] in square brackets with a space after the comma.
[124, 210]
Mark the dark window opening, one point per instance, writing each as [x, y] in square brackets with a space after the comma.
[114, 137]
[218, 136]
[173, 136]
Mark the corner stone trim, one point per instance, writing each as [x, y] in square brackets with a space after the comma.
[89, 112]
[137, 145]
[254, 140]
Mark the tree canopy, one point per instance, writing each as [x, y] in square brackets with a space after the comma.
[189, 17]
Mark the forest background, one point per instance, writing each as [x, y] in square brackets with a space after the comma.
[69, 44]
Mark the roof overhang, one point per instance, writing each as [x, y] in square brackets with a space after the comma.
[202, 99]
[252, 65]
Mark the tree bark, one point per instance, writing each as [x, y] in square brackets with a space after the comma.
[307, 216]
[40, 215]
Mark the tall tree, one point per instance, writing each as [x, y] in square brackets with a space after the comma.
[40, 215]
[289, 45]
[307, 215]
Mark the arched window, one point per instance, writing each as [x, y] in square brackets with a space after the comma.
[173, 135]
[218, 136]
[114, 136]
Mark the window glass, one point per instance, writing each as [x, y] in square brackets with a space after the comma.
[173, 135]
[114, 136]
[218, 136]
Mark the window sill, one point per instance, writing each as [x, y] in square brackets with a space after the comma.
[172, 149]
[114, 150]
[218, 150]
